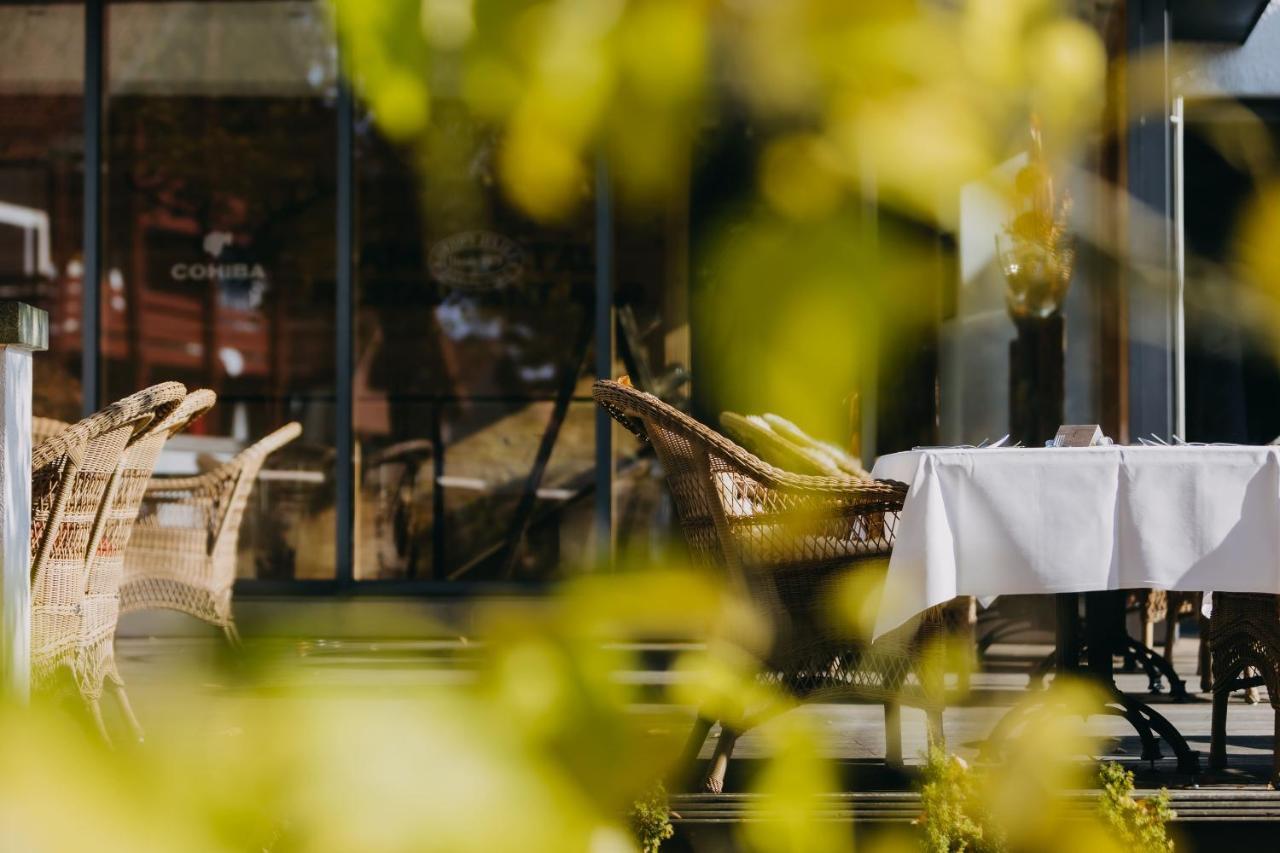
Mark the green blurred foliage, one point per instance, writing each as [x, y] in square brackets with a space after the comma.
[1020, 804]
[955, 812]
[798, 313]
[544, 750]
[1138, 826]
[891, 104]
[926, 96]
[795, 788]
[1258, 263]
[650, 820]
[540, 746]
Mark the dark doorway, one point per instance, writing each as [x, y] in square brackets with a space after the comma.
[1232, 375]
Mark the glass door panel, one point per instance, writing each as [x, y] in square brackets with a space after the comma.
[472, 376]
[221, 151]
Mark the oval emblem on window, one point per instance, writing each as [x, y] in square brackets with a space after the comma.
[477, 260]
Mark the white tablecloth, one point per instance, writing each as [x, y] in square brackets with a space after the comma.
[1046, 520]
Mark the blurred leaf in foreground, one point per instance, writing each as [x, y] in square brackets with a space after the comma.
[924, 96]
[796, 788]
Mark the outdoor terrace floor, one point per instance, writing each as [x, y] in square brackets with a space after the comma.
[164, 674]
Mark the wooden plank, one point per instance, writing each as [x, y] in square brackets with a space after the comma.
[1191, 805]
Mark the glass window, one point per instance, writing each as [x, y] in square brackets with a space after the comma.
[220, 214]
[42, 185]
[1232, 374]
[652, 347]
[472, 384]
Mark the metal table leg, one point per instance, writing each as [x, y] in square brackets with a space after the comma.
[1104, 612]
[1135, 653]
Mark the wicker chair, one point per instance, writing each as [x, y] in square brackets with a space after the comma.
[106, 569]
[1244, 650]
[788, 539]
[75, 473]
[183, 553]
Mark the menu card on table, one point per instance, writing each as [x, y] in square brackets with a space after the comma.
[1079, 435]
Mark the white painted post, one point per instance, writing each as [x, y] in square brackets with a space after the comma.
[23, 330]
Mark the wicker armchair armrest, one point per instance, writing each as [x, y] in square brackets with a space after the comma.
[843, 502]
[192, 502]
[176, 513]
[850, 489]
[207, 482]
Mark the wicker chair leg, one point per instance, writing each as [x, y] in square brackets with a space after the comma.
[1274, 783]
[95, 711]
[232, 635]
[933, 683]
[720, 760]
[893, 734]
[960, 618]
[1172, 633]
[1204, 662]
[127, 708]
[682, 777]
[1251, 695]
[1148, 631]
[933, 722]
[1218, 736]
[969, 664]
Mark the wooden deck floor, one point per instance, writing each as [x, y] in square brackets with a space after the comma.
[163, 673]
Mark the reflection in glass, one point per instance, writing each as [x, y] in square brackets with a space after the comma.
[652, 347]
[495, 526]
[41, 185]
[220, 210]
[473, 329]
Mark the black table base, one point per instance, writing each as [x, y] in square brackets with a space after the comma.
[1001, 631]
[1135, 654]
[1096, 645]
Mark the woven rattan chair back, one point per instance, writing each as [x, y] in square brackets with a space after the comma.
[685, 455]
[737, 510]
[106, 565]
[183, 555]
[72, 471]
[43, 428]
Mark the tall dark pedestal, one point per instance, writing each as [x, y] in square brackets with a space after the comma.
[1036, 393]
[1037, 379]
[1036, 410]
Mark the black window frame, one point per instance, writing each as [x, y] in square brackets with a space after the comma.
[344, 582]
